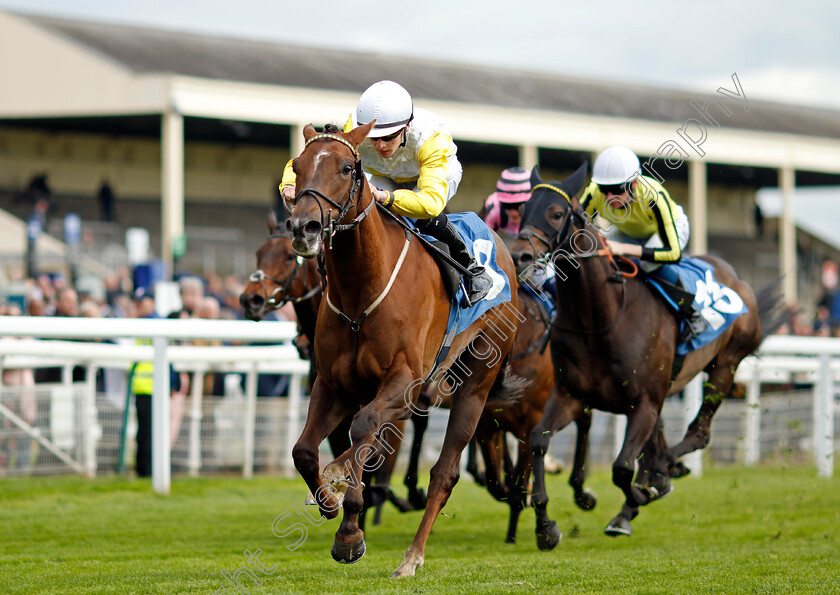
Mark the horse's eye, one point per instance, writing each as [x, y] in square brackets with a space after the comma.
[558, 214]
[346, 169]
[291, 256]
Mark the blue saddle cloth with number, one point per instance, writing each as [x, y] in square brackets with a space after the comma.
[717, 303]
[482, 246]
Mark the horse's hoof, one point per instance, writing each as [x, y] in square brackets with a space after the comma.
[619, 526]
[417, 498]
[655, 492]
[586, 500]
[678, 470]
[409, 565]
[511, 539]
[548, 536]
[348, 553]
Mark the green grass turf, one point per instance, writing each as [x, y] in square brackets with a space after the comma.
[735, 530]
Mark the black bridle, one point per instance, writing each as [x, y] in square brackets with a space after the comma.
[329, 229]
[574, 217]
[354, 196]
[260, 276]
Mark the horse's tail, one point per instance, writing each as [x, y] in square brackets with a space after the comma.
[772, 311]
[508, 388]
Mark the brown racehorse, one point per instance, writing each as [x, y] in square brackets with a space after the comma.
[282, 276]
[613, 348]
[378, 341]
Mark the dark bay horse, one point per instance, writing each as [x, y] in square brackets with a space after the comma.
[613, 348]
[378, 340]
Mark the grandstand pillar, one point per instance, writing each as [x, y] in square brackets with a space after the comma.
[787, 236]
[697, 205]
[296, 142]
[528, 157]
[172, 186]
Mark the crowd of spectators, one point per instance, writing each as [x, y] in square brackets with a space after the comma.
[116, 296]
[52, 295]
[825, 321]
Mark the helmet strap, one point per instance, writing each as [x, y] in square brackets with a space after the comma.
[405, 130]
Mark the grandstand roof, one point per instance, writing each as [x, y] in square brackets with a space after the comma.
[145, 50]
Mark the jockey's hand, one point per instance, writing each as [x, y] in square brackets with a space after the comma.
[380, 196]
[622, 249]
[288, 193]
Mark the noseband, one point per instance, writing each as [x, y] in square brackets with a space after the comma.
[259, 276]
[331, 228]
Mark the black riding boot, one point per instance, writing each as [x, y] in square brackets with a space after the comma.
[695, 323]
[477, 282]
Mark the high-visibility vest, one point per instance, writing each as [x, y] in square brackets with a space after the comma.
[144, 375]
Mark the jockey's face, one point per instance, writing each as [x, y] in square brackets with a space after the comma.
[618, 201]
[514, 214]
[386, 146]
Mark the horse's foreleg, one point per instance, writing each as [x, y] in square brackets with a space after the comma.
[653, 475]
[491, 442]
[324, 415]
[584, 498]
[559, 411]
[640, 423]
[472, 463]
[382, 476]
[518, 487]
[416, 497]
[339, 438]
[371, 427]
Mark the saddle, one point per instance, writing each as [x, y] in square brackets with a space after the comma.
[449, 274]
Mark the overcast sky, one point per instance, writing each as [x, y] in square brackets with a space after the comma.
[784, 50]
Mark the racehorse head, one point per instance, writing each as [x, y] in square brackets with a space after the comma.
[330, 185]
[551, 220]
[281, 275]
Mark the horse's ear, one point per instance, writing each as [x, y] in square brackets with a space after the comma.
[309, 131]
[575, 182]
[535, 176]
[272, 222]
[359, 134]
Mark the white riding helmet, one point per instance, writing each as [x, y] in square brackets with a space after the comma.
[387, 103]
[616, 165]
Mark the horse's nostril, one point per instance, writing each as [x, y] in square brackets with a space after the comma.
[312, 228]
[251, 300]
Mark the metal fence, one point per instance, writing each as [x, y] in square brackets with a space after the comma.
[76, 427]
[56, 411]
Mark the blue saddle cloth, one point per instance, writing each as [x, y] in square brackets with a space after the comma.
[482, 246]
[547, 295]
[717, 303]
